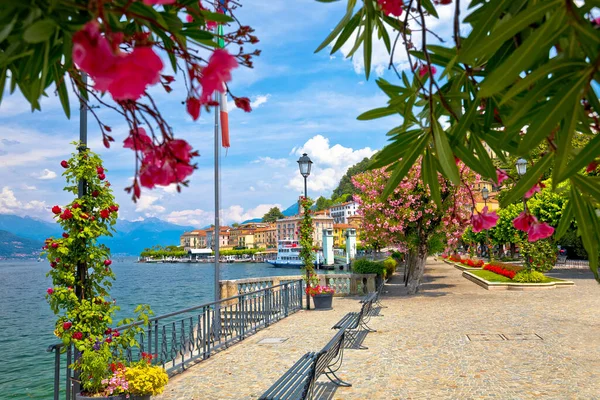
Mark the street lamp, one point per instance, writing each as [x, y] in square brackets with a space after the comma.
[485, 193]
[521, 166]
[304, 163]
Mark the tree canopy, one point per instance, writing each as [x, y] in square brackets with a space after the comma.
[273, 215]
[524, 74]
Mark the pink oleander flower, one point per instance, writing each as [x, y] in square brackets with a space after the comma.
[524, 221]
[501, 176]
[216, 73]
[484, 220]
[539, 231]
[193, 107]
[393, 7]
[92, 52]
[138, 140]
[534, 189]
[243, 103]
[423, 70]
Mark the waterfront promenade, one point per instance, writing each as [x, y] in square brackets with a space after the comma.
[444, 343]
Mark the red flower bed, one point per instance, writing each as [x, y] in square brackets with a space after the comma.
[500, 271]
[473, 263]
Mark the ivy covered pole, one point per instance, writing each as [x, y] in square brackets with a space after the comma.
[81, 185]
[306, 228]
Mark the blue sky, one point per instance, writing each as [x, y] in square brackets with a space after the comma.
[303, 102]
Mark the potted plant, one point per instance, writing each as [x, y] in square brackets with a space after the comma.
[81, 274]
[322, 296]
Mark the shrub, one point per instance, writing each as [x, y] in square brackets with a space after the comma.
[541, 255]
[500, 271]
[529, 276]
[390, 266]
[150, 380]
[364, 266]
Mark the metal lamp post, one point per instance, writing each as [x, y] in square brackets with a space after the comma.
[305, 164]
[485, 193]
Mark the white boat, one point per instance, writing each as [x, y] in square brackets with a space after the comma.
[288, 254]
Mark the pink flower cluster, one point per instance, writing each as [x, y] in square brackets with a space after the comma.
[205, 81]
[117, 383]
[535, 230]
[393, 7]
[124, 75]
[484, 220]
[162, 164]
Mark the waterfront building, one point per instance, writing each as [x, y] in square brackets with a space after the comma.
[339, 235]
[288, 228]
[195, 239]
[224, 234]
[266, 237]
[341, 212]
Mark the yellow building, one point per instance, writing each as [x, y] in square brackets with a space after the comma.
[492, 200]
[195, 239]
[339, 232]
[266, 237]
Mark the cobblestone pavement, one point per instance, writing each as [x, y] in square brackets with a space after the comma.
[421, 349]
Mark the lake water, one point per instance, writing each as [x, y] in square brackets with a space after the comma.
[26, 321]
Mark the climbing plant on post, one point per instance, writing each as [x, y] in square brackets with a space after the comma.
[306, 231]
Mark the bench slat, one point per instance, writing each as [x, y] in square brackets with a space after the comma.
[292, 383]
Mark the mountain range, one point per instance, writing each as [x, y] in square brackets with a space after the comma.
[24, 236]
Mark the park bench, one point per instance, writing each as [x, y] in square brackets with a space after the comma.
[375, 298]
[561, 260]
[299, 381]
[354, 322]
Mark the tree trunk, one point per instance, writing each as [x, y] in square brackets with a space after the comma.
[417, 260]
[513, 250]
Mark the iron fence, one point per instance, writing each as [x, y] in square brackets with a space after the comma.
[184, 337]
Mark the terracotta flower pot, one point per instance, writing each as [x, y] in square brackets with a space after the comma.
[323, 301]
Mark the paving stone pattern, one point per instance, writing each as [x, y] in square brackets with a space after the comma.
[541, 345]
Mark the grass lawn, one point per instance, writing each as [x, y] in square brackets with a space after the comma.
[493, 277]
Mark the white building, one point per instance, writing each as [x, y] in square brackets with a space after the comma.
[341, 212]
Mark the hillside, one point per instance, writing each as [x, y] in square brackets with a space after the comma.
[12, 246]
[130, 239]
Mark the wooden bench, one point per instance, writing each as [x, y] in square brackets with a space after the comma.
[299, 381]
[375, 297]
[353, 322]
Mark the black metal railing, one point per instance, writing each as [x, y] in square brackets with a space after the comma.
[181, 338]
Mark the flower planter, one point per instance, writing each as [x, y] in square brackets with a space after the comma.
[323, 301]
[80, 396]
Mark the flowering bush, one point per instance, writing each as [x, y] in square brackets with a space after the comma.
[81, 274]
[529, 276]
[315, 290]
[145, 379]
[499, 270]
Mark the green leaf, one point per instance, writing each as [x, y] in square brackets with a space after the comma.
[551, 67]
[215, 17]
[376, 113]
[564, 137]
[429, 176]
[197, 34]
[404, 165]
[367, 46]
[336, 31]
[565, 221]
[484, 159]
[526, 182]
[444, 153]
[7, 29]
[63, 95]
[507, 28]
[586, 218]
[428, 5]
[464, 123]
[524, 56]
[39, 31]
[485, 24]
[348, 29]
[549, 116]
[584, 157]
[588, 184]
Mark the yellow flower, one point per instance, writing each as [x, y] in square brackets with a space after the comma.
[146, 380]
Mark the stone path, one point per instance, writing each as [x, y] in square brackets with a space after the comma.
[421, 349]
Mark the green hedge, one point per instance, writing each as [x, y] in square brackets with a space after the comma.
[383, 268]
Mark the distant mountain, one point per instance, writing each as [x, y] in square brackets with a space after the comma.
[28, 227]
[12, 246]
[291, 210]
[131, 237]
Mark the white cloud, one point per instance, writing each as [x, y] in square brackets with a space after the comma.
[272, 162]
[252, 189]
[28, 187]
[146, 205]
[330, 163]
[9, 204]
[45, 175]
[259, 100]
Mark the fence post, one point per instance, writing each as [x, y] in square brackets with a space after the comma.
[267, 308]
[286, 298]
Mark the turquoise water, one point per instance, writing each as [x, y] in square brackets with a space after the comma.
[26, 322]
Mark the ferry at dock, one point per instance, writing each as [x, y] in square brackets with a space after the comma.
[288, 254]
